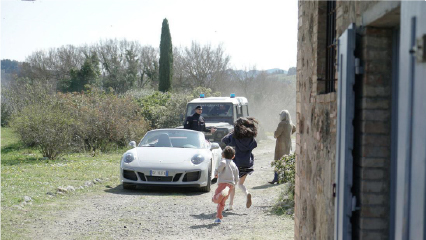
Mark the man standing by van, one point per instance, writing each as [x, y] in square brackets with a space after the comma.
[196, 121]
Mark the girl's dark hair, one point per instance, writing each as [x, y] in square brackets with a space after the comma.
[228, 152]
[245, 128]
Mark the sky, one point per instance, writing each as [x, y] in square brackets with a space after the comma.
[260, 34]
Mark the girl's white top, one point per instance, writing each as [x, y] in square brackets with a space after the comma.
[227, 172]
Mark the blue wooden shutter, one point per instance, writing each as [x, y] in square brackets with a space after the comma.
[344, 139]
[410, 218]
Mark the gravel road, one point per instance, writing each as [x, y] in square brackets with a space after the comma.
[171, 213]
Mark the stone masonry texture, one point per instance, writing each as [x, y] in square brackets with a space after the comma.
[317, 121]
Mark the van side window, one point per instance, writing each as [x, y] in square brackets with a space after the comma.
[239, 111]
[245, 111]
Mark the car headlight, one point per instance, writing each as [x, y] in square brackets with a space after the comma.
[197, 159]
[128, 157]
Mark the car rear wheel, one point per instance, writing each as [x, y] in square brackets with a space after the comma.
[209, 180]
[129, 186]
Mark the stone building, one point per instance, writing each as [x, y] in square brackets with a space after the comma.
[361, 120]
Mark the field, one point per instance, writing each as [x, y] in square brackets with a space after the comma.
[26, 175]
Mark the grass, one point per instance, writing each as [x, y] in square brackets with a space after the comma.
[285, 202]
[24, 172]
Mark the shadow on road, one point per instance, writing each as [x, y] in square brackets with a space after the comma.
[228, 213]
[155, 191]
[212, 216]
[209, 226]
[265, 186]
[203, 216]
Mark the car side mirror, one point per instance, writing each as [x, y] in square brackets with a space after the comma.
[214, 146]
[132, 144]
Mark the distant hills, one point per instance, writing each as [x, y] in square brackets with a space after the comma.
[273, 71]
[276, 71]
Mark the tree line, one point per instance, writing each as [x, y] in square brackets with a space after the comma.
[120, 65]
[98, 95]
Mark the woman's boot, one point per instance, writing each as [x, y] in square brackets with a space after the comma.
[275, 178]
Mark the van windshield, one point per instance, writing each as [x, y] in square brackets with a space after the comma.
[212, 110]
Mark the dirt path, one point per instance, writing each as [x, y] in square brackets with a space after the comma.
[171, 213]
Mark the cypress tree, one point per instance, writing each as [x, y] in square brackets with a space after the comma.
[166, 59]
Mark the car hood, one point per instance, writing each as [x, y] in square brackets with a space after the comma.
[166, 154]
[218, 124]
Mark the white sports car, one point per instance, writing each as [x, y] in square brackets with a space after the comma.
[170, 157]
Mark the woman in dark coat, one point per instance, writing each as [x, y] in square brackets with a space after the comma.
[242, 138]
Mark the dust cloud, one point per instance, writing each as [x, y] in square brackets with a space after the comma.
[267, 95]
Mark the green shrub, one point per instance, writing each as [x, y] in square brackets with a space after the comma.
[285, 203]
[93, 121]
[166, 110]
[162, 110]
[286, 174]
[206, 91]
[175, 110]
[285, 168]
[153, 106]
[6, 114]
[45, 126]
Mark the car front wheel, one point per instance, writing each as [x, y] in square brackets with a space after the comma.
[209, 180]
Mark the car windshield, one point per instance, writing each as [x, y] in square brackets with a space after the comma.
[211, 110]
[173, 138]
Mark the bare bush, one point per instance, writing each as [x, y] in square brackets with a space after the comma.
[103, 120]
[46, 126]
[23, 92]
[93, 121]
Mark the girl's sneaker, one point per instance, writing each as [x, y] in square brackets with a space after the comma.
[217, 221]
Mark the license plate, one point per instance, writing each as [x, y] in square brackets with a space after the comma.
[162, 173]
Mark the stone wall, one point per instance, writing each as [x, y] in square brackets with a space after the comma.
[316, 134]
[316, 124]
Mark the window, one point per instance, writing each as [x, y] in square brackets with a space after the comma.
[245, 110]
[239, 111]
[330, 48]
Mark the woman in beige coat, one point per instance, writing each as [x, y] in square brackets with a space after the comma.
[283, 135]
